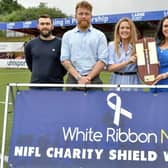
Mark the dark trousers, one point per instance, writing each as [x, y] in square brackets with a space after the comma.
[72, 80]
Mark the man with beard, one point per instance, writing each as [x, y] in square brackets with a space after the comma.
[84, 49]
[43, 54]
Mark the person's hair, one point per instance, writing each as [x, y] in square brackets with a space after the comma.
[84, 4]
[45, 16]
[117, 38]
[160, 38]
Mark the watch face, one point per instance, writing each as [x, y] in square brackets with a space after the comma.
[78, 78]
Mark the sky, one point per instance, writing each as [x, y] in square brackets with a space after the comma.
[102, 7]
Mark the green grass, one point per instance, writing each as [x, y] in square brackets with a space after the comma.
[18, 76]
[9, 76]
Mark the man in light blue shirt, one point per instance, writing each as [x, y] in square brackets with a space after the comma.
[84, 49]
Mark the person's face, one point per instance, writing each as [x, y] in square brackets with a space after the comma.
[124, 30]
[83, 17]
[165, 28]
[45, 27]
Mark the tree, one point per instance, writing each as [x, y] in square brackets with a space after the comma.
[8, 6]
[32, 14]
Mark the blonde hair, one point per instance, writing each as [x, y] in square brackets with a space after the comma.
[133, 34]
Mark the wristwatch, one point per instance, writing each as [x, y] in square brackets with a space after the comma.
[78, 77]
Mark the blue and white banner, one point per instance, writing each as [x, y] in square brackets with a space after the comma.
[55, 129]
[13, 63]
[100, 19]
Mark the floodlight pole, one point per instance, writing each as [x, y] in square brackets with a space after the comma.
[5, 125]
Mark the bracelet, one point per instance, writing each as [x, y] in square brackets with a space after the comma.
[78, 77]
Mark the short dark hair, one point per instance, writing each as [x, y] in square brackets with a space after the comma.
[45, 16]
[84, 4]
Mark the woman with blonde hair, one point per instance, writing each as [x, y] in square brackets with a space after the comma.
[122, 57]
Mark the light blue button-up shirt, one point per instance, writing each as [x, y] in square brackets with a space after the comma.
[84, 49]
[115, 59]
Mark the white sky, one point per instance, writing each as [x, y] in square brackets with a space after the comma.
[103, 7]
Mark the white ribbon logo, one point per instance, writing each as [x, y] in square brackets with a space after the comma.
[117, 107]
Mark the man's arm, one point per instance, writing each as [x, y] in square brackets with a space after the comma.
[80, 79]
[99, 66]
[102, 55]
[69, 67]
[28, 56]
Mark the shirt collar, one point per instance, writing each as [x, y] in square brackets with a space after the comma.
[129, 45]
[88, 30]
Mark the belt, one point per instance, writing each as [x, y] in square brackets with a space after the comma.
[125, 73]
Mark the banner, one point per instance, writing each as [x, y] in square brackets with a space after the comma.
[99, 19]
[13, 63]
[55, 129]
[11, 47]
